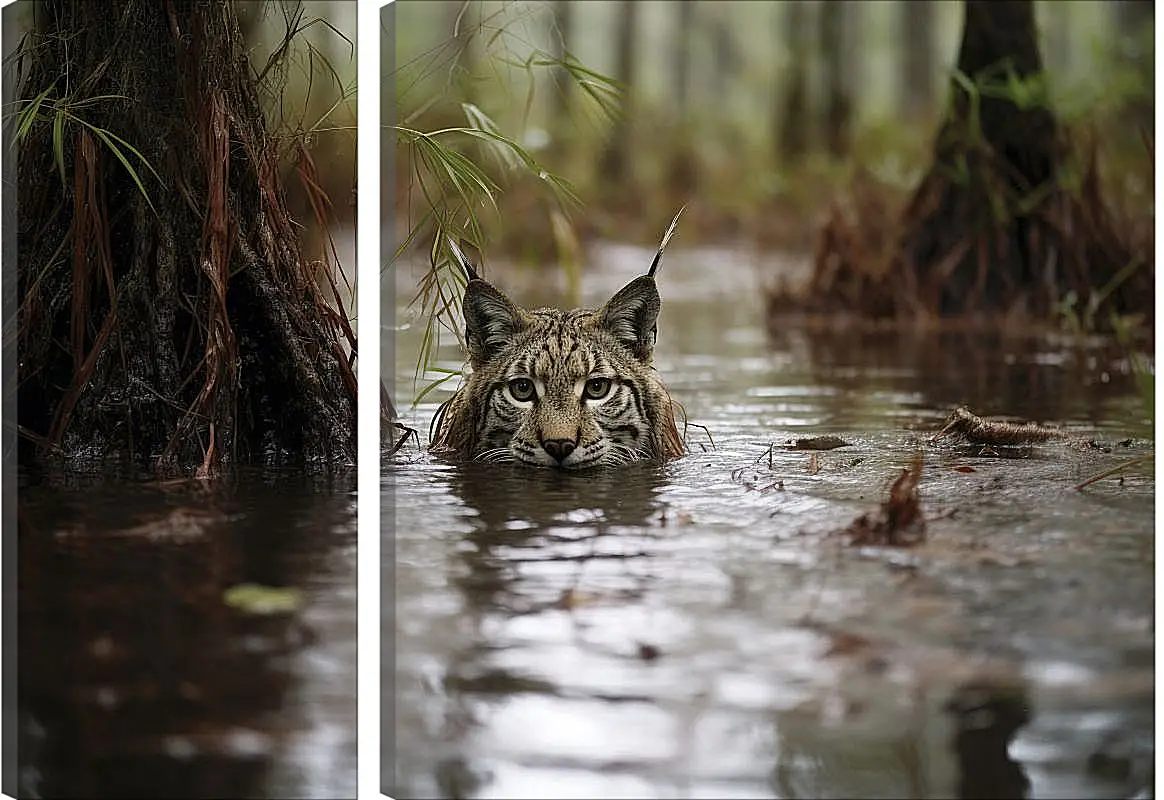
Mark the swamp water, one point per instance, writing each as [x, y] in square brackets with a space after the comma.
[180, 640]
[698, 629]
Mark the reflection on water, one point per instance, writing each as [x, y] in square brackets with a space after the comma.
[986, 719]
[138, 679]
[693, 629]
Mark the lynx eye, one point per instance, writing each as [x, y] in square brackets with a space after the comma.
[522, 389]
[596, 388]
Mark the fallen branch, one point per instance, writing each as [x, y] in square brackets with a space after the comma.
[973, 428]
[1117, 468]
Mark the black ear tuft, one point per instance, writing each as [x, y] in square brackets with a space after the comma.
[491, 321]
[663, 244]
[631, 314]
[462, 259]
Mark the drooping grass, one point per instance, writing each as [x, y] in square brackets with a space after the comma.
[454, 185]
[62, 112]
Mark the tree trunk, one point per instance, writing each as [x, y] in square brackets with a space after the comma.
[184, 329]
[792, 120]
[1134, 17]
[615, 165]
[836, 53]
[726, 58]
[969, 239]
[917, 61]
[1057, 32]
[990, 230]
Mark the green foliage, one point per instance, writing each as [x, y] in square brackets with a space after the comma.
[1081, 318]
[1126, 329]
[61, 112]
[456, 189]
[459, 171]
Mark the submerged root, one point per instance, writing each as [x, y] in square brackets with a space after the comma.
[898, 521]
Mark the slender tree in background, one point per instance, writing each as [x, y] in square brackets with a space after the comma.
[726, 59]
[561, 37]
[1057, 32]
[462, 17]
[917, 59]
[166, 312]
[615, 165]
[836, 52]
[1136, 21]
[681, 64]
[792, 113]
[683, 169]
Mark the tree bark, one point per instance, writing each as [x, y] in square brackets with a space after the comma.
[967, 257]
[183, 330]
[990, 231]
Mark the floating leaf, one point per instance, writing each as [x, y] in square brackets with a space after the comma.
[253, 598]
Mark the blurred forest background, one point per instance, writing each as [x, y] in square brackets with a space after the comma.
[318, 102]
[757, 116]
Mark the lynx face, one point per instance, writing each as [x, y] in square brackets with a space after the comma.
[564, 389]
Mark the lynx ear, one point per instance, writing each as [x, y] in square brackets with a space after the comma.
[491, 321]
[631, 314]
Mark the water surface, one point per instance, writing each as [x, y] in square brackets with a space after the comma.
[700, 629]
[141, 674]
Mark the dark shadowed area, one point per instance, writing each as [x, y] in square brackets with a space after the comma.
[184, 640]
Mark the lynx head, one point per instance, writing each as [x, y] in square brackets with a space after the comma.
[566, 389]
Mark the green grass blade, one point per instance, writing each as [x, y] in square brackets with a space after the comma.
[59, 144]
[113, 148]
[29, 114]
[432, 386]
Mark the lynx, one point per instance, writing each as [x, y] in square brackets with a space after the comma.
[564, 389]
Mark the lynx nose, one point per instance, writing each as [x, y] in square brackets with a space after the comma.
[558, 448]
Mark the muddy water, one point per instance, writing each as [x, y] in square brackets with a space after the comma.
[699, 630]
[144, 672]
